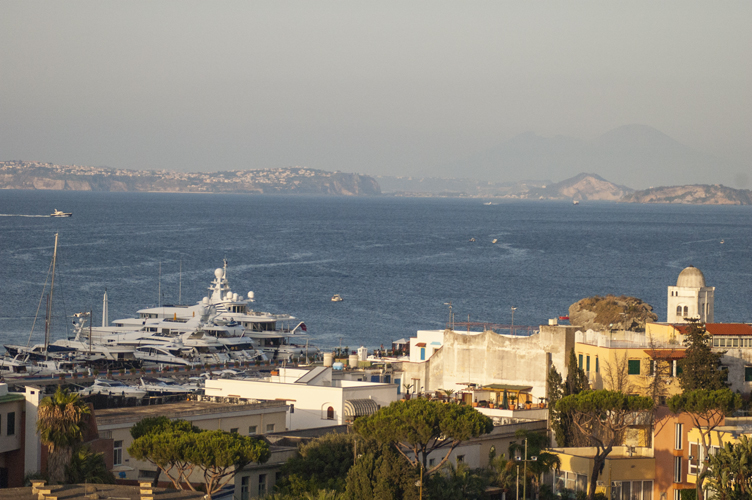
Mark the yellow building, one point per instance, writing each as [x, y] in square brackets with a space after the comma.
[629, 362]
[730, 432]
[627, 475]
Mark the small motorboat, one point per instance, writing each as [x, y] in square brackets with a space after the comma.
[60, 213]
[337, 298]
[112, 388]
[722, 242]
[472, 240]
[575, 202]
[494, 241]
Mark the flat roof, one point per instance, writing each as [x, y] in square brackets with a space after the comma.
[181, 409]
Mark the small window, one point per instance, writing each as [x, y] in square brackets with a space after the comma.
[597, 368]
[747, 375]
[716, 342]
[11, 423]
[269, 427]
[234, 430]
[117, 458]
[678, 436]
[330, 413]
[587, 364]
[734, 342]
[292, 408]
[431, 461]
[694, 458]
[460, 459]
[633, 367]
[262, 485]
[245, 488]
[677, 469]
[252, 430]
[580, 360]
[678, 310]
[686, 312]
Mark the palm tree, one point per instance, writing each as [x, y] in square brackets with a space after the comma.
[60, 423]
[730, 471]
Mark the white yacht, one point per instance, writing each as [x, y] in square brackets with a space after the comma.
[163, 386]
[60, 213]
[337, 298]
[112, 388]
[170, 354]
[276, 335]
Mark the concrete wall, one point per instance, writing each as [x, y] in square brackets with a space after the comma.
[492, 358]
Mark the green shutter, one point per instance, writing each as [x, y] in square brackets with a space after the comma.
[580, 361]
[748, 373]
[634, 367]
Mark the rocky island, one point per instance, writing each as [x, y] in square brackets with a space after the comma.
[715, 194]
[291, 180]
[611, 312]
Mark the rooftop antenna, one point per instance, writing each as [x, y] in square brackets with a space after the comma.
[451, 318]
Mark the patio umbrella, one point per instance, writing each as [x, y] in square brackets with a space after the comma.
[504, 402]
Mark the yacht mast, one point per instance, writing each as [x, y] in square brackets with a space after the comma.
[49, 301]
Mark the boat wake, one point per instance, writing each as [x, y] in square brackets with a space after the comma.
[21, 215]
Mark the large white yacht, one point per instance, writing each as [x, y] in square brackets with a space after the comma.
[225, 314]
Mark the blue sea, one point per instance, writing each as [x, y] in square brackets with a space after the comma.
[397, 262]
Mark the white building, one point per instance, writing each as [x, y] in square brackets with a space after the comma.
[317, 397]
[425, 344]
[690, 298]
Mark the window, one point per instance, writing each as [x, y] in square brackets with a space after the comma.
[460, 459]
[694, 458]
[678, 310]
[245, 487]
[292, 408]
[117, 458]
[633, 367]
[422, 353]
[587, 364]
[677, 469]
[269, 427]
[734, 342]
[747, 374]
[580, 360]
[678, 436]
[11, 423]
[234, 430]
[686, 312]
[597, 368]
[262, 485]
[399, 385]
[252, 430]
[330, 413]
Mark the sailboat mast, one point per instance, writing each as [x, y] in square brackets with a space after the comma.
[49, 301]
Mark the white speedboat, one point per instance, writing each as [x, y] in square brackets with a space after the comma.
[151, 355]
[60, 213]
[163, 386]
[112, 388]
[337, 298]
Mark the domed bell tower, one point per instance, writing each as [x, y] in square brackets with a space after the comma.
[690, 298]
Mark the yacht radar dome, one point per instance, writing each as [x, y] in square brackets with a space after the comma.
[218, 273]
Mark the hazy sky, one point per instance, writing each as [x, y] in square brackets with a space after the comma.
[372, 87]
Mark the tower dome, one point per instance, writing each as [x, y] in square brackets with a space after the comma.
[691, 277]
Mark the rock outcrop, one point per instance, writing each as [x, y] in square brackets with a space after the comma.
[611, 312]
[703, 194]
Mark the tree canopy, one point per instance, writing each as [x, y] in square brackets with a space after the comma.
[700, 368]
[177, 448]
[321, 464]
[420, 426]
[603, 416]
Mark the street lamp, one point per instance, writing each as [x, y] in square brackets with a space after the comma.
[451, 318]
[524, 473]
[513, 309]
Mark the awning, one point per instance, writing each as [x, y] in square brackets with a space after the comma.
[506, 387]
[665, 353]
[420, 344]
[360, 407]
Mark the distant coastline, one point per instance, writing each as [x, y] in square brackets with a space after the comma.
[307, 181]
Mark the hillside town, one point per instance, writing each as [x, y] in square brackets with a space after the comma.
[636, 411]
[289, 180]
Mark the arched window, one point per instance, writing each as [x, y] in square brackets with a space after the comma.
[686, 311]
[678, 310]
[330, 413]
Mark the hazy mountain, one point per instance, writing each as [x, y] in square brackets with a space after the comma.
[580, 187]
[638, 156]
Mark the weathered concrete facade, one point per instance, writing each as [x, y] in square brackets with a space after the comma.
[485, 358]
